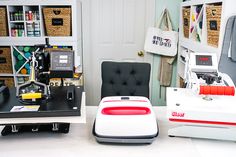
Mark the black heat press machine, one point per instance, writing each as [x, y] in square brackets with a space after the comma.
[35, 98]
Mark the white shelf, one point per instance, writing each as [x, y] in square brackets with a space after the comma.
[228, 9]
[32, 21]
[23, 6]
[197, 46]
[16, 21]
[6, 74]
[22, 75]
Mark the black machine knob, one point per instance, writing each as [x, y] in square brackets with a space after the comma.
[210, 78]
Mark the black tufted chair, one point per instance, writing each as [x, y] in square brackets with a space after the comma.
[125, 79]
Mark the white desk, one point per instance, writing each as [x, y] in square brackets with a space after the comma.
[79, 142]
[68, 119]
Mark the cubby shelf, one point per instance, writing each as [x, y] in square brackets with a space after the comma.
[21, 15]
[195, 13]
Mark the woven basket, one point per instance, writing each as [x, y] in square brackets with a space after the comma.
[8, 81]
[186, 21]
[3, 22]
[213, 24]
[5, 53]
[57, 21]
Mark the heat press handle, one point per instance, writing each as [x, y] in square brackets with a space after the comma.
[217, 90]
[31, 96]
[126, 110]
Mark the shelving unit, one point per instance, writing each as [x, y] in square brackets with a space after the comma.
[26, 28]
[201, 30]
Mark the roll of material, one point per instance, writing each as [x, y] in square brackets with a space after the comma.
[26, 48]
[217, 90]
[23, 71]
[20, 57]
[200, 24]
[19, 64]
[15, 53]
[27, 55]
[198, 9]
[32, 49]
[27, 66]
[20, 48]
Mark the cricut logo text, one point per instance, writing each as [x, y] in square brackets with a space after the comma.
[177, 114]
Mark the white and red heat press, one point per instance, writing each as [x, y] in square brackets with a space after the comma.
[125, 119]
[206, 107]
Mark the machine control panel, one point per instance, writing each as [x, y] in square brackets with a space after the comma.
[62, 64]
[204, 60]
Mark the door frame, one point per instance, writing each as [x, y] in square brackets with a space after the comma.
[86, 38]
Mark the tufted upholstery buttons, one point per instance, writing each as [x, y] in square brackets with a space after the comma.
[118, 71]
[118, 93]
[138, 83]
[111, 82]
[124, 83]
[132, 72]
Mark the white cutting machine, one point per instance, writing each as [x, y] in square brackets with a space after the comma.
[125, 119]
[206, 107]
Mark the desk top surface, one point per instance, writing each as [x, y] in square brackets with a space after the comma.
[80, 142]
[56, 106]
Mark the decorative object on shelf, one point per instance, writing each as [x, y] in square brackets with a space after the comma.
[22, 55]
[22, 80]
[5, 60]
[57, 21]
[3, 22]
[31, 15]
[16, 16]
[186, 21]
[196, 23]
[213, 24]
[33, 29]
[17, 30]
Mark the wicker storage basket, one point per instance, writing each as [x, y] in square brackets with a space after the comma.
[186, 21]
[8, 81]
[57, 21]
[3, 22]
[5, 60]
[213, 24]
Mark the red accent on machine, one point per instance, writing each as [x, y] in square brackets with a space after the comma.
[202, 121]
[126, 110]
[217, 90]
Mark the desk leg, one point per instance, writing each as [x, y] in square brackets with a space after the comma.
[20, 128]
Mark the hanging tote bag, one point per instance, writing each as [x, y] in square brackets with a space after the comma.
[162, 42]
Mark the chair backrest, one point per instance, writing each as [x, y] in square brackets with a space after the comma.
[125, 79]
[227, 62]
